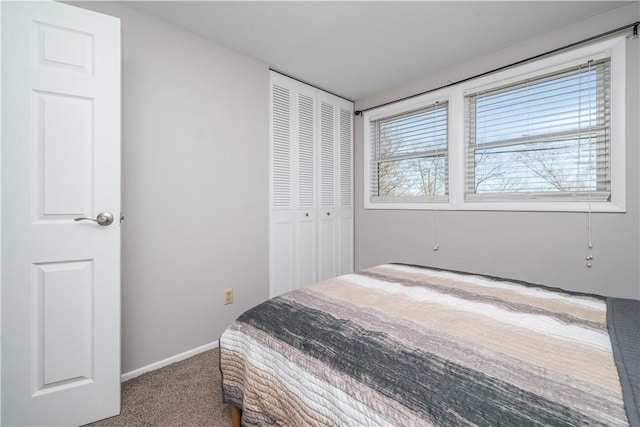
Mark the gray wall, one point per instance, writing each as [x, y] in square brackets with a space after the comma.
[194, 187]
[540, 247]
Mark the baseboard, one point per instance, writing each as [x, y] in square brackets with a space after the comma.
[168, 361]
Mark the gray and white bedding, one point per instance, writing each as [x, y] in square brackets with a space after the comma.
[407, 345]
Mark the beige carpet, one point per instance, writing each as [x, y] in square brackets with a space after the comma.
[186, 393]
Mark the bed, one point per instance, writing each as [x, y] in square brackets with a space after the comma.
[407, 345]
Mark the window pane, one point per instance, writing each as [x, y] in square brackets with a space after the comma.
[550, 106]
[567, 165]
[544, 135]
[410, 155]
[414, 132]
[413, 177]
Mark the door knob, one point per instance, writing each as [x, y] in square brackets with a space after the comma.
[103, 218]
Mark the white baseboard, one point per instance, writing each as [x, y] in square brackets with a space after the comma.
[162, 363]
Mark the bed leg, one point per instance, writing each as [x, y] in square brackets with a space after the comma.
[236, 414]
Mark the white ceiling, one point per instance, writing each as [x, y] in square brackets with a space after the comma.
[357, 48]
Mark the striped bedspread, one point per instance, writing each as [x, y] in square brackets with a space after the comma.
[410, 346]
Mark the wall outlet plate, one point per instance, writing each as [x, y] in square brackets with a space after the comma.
[228, 296]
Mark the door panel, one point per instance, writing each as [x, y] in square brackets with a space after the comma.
[326, 246]
[64, 153]
[345, 234]
[281, 168]
[281, 256]
[63, 48]
[306, 253]
[60, 161]
[63, 317]
[327, 156]
[306, 179]
[345, 230]
[281, 194]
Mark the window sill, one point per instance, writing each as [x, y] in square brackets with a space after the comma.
[604, 207]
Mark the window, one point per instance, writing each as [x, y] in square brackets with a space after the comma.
[545, 136]
[410, 155]
[540, 138]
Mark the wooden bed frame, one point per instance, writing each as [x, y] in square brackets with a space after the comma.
[236, 415]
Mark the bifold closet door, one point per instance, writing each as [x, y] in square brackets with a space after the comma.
[311, 188]
[335, 216]
[293, 246]
[344, 191]
[305, 179]
[281, 227]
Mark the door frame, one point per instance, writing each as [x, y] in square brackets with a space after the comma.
[1, 284]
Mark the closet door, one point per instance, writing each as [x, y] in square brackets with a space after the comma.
[293, 230]
[311, 187]
[327, 220]
[345, 187]
[335, 215]
[282, 229]
[306, 194]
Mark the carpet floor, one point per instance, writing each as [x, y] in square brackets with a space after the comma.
[185, 393]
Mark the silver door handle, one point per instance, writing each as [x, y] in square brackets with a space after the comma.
[103, 218]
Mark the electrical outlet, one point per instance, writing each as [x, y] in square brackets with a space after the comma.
[228, 296]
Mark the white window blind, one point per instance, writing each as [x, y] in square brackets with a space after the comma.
[409, 157]
[542, 138]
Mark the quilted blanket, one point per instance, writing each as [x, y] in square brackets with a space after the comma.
[412, 346]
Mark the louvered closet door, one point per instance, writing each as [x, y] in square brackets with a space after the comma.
[327, 214]
[293, 240]
[306, 194]
[311, 212]
[345, 187]
[335, 216]
[282, 229]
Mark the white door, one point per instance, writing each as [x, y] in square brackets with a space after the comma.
[345, 188]
[305, 181]
[293, 185]
[335, 217]
[281, 227]
[327, 218]
[60, 161]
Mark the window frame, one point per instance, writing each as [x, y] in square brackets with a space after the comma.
[414, 104]
[614, 48]
[416, 155]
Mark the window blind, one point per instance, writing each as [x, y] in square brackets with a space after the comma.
[410, 156]
[547, 137]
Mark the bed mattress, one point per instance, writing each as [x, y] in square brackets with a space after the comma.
[408, 345]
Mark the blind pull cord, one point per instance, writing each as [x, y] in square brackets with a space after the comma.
[436, 246]
[589, 228]
[589, 240]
